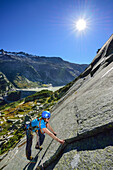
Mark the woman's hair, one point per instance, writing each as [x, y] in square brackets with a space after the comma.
[44, 119]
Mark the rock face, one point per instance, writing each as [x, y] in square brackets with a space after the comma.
[84, 118]
[25, 68]
[5, 85]
[14, 96]
[7, 90]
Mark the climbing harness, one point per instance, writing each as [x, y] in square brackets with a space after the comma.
[34, 128]
[29, 127]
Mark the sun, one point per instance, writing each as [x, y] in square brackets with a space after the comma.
[81, 25]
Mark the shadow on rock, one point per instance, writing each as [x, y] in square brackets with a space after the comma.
[44, 153]
[31, 164]
[99, 141]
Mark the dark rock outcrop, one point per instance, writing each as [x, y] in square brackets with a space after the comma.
[103, 58]
[5, 87]
[14, 96]
[5, 84]
[84, 118]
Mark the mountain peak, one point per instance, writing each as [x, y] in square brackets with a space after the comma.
[47, 70]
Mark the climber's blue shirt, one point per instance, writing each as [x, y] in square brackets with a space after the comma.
[35, 122]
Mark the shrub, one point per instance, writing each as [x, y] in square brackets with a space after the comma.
[39, 95]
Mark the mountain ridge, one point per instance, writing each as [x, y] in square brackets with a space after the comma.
[47, 70]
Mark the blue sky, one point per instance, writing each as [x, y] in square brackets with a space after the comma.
[47, 27]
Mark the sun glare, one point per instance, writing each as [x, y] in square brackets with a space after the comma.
[81, 24]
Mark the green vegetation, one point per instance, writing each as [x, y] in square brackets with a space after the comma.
[12, 141]
[62, 91]
[14, 104]
[39, 95]
[22, 82]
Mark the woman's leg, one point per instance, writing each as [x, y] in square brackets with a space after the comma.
[40, 139]
[28, 144]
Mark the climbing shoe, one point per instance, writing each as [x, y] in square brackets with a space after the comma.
[38, 147]
[30, 158]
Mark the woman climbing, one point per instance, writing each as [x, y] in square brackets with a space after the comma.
[40, 126]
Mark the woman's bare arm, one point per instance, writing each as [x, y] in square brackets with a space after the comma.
[50, 128]
[53, 136]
